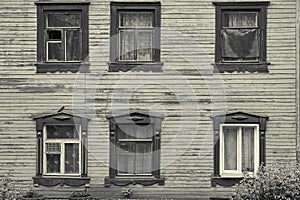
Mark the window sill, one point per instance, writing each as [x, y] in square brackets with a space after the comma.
[53, 181]
[123, 181]
[225, 181]
[62, 67]
[135, 66]
[241, 67]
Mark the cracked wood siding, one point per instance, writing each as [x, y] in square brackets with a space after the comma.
[187, 43]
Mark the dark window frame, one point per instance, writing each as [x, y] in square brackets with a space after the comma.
[71, 180]
[261, 65]
[236, 118]
[42, 64]
[134, 118]
[115, 64]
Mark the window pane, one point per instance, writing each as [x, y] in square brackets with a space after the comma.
[127, 48]
[54, 35]
[53, 148]
[63, 20]
[55, 52]
[53, 163]
[240, 19]
[144, 45]
[143, 158]
[240, 43]
[126, 152]
[248, 149]
[135, 131]
[230, 148]
[136, 19]
[73, 44]
[71, 158]
[62, 131]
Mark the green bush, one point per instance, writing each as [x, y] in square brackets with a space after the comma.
[8, 190]
[276, 182]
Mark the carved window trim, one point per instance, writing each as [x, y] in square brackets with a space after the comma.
[41, 177]
[238, 118]
[134, 118]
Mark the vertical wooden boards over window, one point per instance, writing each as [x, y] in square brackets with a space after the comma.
[62, 36]
[241, 29]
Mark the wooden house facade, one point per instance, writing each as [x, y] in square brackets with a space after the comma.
[170, 98]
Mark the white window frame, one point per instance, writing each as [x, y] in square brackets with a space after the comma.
[238, 172]
[62, 142]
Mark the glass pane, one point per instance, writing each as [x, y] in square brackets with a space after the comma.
[240, 19]
[55, 52]
[143, 158]
[71, 158]
[144, 45]
[73, 44]
[127, 48]
[136, 19]
[63, 20]
[230, 148]
[53, 148]
[53, 163]
[134, 131]
[62, 131]
[240, 43]
[54, 35]
[248, 149]
[126, 152]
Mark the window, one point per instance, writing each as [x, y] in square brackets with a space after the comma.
[241, 37]
[134, 150]
[62, 36]
[135, 36]
[239, 146]
[62, 150]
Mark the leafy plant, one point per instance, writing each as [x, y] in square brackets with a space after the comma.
[8, 190]
[33, 195]
[276, 182]
[80, 195]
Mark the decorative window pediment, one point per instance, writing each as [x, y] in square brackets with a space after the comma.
[61, 150]
[239, 146]
[134, 148]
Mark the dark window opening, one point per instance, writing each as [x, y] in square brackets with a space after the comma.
[241, 37]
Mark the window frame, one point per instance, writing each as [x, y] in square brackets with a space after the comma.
[238, 173]
[62, 142]
[126, 179]
[233, 119]
[53, 179]
[43, 64]
[261, 65]
[115, 64]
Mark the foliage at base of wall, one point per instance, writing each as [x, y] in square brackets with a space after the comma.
[277, 182]
[8, 190]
